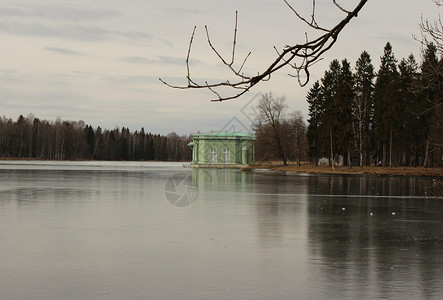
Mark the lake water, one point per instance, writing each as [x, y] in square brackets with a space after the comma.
[119, 230]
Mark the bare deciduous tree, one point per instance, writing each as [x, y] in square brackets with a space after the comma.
[279, 135]
[298, 136]
[300, 57]
[431, 84]
[270, 125]
[432, 31]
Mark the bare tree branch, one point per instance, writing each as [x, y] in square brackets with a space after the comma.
[432, 31]
[235, 39]
[313, 23]
[189, 53]
[308, 53]
[340, 7]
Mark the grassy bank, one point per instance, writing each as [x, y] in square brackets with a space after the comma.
[367, 170]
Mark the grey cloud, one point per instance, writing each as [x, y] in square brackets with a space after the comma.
[135, 35]
[58, 13]
[175, 60]
[66, 22]
[184, 11]
[76, 32]
[398, 39]
[159, 60]
[9, 75]
[65, 51]
[12, 12]
[57, 102]
[138, 60]
[130, 79]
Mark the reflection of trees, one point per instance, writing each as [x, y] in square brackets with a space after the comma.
[280, 204]
[279, 200]
[367, 250]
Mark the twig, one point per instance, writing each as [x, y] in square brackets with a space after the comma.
[309, 52]
[187, 57]
[340, 7]
[235, 39]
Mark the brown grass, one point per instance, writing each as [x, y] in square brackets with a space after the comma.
[367, 170]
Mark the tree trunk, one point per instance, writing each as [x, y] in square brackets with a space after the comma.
[285, 162]
[332, 151]
[390, 150]
[349, 158]
[360, 146]
[426, 162]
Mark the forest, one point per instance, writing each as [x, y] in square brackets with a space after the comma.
[32, 138]
[391, 117]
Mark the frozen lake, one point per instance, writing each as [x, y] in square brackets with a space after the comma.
[138, 230]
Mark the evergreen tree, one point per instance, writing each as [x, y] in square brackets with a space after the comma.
[90, 140]
[150, 149]
[409, 118]
[363, 105]
[387, 105]
[35, 139]
[343, 103]
[330, 119]
[99, 145]
[315, 101]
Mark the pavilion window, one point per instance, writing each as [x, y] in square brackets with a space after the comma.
[213, 157]
[226, 156]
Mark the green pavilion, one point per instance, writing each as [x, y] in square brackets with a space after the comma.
[222, 149]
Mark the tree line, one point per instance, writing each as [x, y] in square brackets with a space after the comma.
[31, 137]
[390, 117]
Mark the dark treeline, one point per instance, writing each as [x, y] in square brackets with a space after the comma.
[391, 117]
[31, 137]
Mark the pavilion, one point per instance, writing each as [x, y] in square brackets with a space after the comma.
[222, 149]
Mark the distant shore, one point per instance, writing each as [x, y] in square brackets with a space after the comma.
[321, 169]
[345, 170]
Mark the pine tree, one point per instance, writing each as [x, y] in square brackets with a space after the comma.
[315, 101]
[363, 104]
[343, 104]
[387, 102]
[330, 83]
[409, 118]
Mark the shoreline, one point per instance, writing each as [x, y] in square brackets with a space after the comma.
[345, 170]
[306, 168]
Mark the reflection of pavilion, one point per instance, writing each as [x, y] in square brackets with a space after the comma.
[221, 179]
[222, 149]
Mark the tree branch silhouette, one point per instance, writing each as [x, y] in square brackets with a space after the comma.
[300, 57]
[432, 31]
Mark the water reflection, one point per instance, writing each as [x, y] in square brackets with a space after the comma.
[222, 179]
[109, 231]
[370, 237]
[381, 236]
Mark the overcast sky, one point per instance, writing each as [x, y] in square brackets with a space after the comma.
[99, 61]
